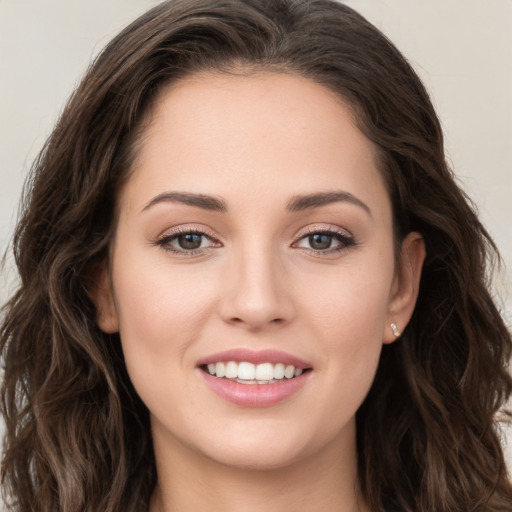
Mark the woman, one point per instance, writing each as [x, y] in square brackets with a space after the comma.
[249, 281]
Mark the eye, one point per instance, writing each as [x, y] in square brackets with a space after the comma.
[187, 242]
[325, 241]
[320, 241]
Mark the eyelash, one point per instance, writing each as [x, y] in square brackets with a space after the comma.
[165, 242]
[345, 241]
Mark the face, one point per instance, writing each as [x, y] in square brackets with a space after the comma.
[255, 230]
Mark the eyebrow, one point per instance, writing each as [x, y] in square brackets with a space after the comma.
[306, 202]
[296, 204]
[205, 202]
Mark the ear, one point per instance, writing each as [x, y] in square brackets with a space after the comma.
[103, 298]
[405, 287]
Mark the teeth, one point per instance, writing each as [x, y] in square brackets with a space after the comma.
[265, 371]
[220, 369]
[289, 371]
[279, 371]
[242, 381]
[248, 373]
[231, 370]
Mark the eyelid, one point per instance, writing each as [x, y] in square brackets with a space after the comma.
[323, 228]
[163, 240]
[188, 228]
[344, 237]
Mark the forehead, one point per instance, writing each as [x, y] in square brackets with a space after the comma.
[258, 132]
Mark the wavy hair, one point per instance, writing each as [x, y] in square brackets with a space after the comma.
[77, 435]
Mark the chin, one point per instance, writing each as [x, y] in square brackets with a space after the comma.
[263, 448]
[255, 459]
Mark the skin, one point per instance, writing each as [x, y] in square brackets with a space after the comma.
[255, 143]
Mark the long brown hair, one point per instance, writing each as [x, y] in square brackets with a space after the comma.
[77, 435]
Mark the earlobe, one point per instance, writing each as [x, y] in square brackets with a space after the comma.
[103, 298]
[405, 289]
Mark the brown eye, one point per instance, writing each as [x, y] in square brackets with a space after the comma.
[189, 241]
[325, 242]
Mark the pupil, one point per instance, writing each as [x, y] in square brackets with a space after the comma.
[320, 241]
[189, 241]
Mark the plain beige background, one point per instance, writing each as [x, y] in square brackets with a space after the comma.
[462, 49]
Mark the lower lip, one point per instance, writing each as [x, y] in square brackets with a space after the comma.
[254, 395]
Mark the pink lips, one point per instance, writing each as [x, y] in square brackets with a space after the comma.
[255, 357]
[254, 395]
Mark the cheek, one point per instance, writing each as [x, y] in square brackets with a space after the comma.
[348, 319]
[160, 313]
[350, 307]
[352, 345]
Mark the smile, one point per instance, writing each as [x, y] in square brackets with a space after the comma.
[249, 378]
[248, 373]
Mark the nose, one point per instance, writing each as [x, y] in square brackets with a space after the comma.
[257, 294]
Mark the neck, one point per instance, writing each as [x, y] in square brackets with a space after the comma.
[188, 481]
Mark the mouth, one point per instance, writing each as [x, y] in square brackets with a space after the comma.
[249, 378]
[245, 372]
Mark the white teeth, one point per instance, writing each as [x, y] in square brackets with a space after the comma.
[231, 370]
[220, 369]
[265, 371]
[289, 371]
[246, 371]
[279, 371]
[242, 381]
[249, 373]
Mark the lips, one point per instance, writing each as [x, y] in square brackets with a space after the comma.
[255, 357]
[254, 378]
[249, 373]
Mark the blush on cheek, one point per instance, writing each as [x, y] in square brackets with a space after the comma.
[161, 315]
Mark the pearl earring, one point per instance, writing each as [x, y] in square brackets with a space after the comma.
[394, 329]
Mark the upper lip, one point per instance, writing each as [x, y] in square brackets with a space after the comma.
[255, 357]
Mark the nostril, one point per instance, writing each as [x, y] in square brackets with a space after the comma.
[274, 321]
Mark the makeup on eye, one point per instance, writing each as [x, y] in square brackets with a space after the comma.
[187, 241]
[194, 241]
[324, 240]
